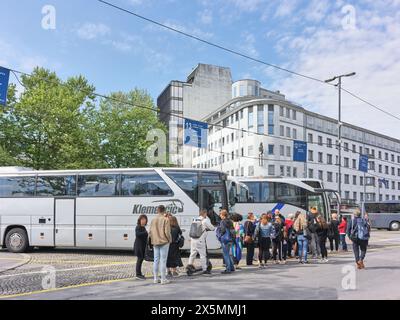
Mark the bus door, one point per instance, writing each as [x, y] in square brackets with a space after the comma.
[64, 222]
[212, 199]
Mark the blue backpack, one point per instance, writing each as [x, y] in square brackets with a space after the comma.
[223, 238]
[361, 229]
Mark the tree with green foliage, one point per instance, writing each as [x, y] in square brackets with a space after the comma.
[44, 128]
[58, 125]
[123, 128]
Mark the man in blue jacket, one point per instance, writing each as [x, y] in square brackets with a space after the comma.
[358, 230]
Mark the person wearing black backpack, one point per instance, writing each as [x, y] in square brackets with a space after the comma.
[277, 239]
[358, 230]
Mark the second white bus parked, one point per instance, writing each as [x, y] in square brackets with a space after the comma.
[286, 194]
[99, 208]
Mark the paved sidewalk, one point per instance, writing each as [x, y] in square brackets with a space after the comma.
[10, 261]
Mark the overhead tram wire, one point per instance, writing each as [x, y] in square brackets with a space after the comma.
[240, 54]
[15, 72]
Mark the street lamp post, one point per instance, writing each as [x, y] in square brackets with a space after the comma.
[339, 85]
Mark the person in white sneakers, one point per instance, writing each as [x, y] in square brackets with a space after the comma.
[198, 234]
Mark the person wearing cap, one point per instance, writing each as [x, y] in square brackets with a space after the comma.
[313, 226]
[277, 213]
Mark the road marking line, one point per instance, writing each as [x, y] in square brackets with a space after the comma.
[61, 270]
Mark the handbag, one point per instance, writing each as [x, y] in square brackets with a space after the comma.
[248, 239]
[149, 252]
[180, 241]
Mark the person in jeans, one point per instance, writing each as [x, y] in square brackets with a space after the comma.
[342, 233]
[358, 230]
[262, 236]
[333, 232]
[139, 246]
[314, 241]
[226, 227]
[160, 235]
[237, 244]
[301, 227]
[249, 228]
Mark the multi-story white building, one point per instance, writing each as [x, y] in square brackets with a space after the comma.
[255, 115]
[206, 88]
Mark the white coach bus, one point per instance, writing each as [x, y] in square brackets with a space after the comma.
[99, 208]
[286, 194]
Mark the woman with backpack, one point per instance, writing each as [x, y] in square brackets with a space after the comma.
[277, 239]
[358, 230]
[322, 234]
[174, 256]
[333, 232]
[262, 236]
[225, 234]
[303, 236]
[140, 244]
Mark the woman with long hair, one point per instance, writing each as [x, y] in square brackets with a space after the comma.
[322, 233]
[140, 244]
[237, 245]
[262, 236]
[174, 256]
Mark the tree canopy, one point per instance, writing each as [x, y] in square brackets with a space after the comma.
[61, 125]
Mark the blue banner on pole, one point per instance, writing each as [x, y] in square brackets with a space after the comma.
[196, 133]
[363, 163]
[299, 151]
[4, 77]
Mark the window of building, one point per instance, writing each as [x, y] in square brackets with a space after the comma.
[320, 175]
[311, 173]
[294, 114]
[288, 151]
[294, 132]
[288, 132]
[260, 119]
[329, 176]
[329, 159]
[320, 157]
[310, 138]
[282, 131]
[250, 119]
[329, 142]
[281, 111]
[320, 140]
[282, 151]
[270, 149]
[310, 155]
[271, 119]
[288, 113]
[271, 170]
[346, 179]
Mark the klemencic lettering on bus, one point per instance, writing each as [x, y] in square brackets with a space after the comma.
[172, 208]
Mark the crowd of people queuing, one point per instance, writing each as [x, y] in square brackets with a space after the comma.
[269, 238]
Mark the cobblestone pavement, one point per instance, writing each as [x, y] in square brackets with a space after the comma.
[43, 270]
[72, 268]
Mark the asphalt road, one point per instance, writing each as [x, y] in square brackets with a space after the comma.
[99, 275]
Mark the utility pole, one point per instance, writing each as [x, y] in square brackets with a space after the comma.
[339, 85]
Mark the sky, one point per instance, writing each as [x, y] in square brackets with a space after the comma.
[319, 38]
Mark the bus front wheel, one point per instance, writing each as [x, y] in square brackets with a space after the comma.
[395, 226]
[17, 240]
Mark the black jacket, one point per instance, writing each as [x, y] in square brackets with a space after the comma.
[249, 228]
[333, 229]
[140, 242]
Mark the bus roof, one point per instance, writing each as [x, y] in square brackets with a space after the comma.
[18, 171]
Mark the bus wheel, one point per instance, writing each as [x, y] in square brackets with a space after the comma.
[17, 240]
[395, 226]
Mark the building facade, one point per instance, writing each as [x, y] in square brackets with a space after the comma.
[206, 88]
[252, 135]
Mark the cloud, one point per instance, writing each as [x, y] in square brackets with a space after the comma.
[90, 31]
[205, 16]
[285, 8]
[248, 44]
[246, 5]
[372, 49]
